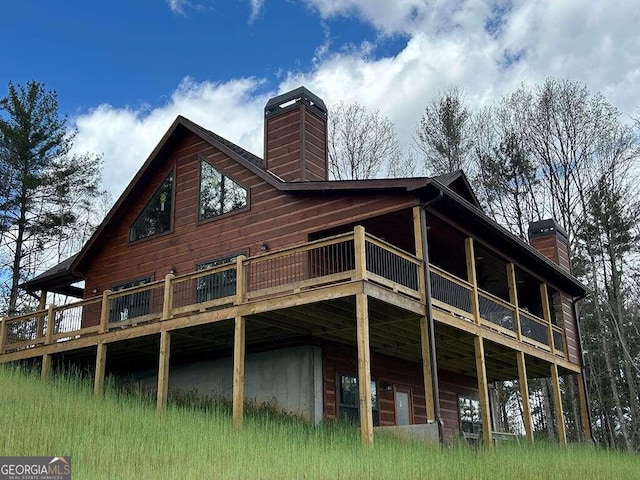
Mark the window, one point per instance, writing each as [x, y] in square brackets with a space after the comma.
[349, 401]
[218, 193]
[469, 412]
[130, 306]
[156, 216]
[216, 285]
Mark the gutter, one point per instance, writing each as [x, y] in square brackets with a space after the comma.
[432, 340]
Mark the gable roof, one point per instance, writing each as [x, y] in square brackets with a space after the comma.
[454, 186]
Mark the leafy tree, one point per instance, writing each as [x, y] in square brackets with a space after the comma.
[43, 184]
[443, 135]
[361, 143]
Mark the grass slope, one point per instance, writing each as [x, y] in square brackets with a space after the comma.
[122, 437]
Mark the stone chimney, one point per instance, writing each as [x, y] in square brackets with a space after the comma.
[551, 240]
[295, 136]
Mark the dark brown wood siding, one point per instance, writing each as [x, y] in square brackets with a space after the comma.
[554, 248]
[340, 359]
[274, 217]
[570, 327]
[296, 145]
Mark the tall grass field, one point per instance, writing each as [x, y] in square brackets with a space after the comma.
[121, 436]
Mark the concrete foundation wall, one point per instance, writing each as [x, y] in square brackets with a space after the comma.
[289, 379]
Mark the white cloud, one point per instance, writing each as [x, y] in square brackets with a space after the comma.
[256, 9]
[487, 47]
[126, 136]
[179, 7]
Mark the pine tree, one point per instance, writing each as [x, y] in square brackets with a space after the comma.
[42, 182]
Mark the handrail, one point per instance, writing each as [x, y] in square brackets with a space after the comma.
[323, 242]
[392, 248]
[283, 281]
[450, 276]
[498, 300]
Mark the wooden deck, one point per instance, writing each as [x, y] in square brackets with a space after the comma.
[352, 288]
[317, 272]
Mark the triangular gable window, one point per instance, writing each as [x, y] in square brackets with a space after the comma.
[218, 193]
[156, 216]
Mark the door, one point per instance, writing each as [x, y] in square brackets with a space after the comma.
[403, 406]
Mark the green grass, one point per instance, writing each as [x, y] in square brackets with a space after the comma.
[122, 437]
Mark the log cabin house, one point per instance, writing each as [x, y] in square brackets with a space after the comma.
[394, 302]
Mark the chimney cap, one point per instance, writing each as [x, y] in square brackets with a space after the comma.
[546, 228]
[276, 104]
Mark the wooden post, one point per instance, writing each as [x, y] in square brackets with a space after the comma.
[167, 302]
[483, 391]
[426, 369]
[359, 242]
[241, 284]
[584, 407]
[104, 312]
[513, 298]
[51, 315]
[557, 403]
[163, 369]
[364, 369]
[238, 371]
[417, 233]
[472, 277]
[42, 305]
[101, 361]
[46, 367]
[524, 393]
[546, 312]
[3, 334]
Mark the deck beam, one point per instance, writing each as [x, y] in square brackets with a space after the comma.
[101, 361]
[163, 369]
[426, 369]
[524, 393]
[584, 407]
[483, 391]
[557, 403]
[364, 369]
[238, 371]
[46, 367]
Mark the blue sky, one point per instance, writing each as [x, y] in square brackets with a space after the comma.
[135, 53]
[123, 70]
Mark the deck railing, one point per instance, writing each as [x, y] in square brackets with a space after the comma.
[342, 258]
[455, 296]
[309, 266]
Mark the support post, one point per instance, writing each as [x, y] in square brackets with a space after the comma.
[167, 302]
[426, 369]
[472, 277]
[163, 369]
[104, 312]
[3, 334]
[513, 298]
[584, 407]
[524, 393]
[483, 391]
[557, 403]
[419, 240]
[359, 242]
[101, 361]
[241, 284]
[50, 324]
[546, 312]
[42, 305]
[364, 369]
[238, 371]
[46, 367]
